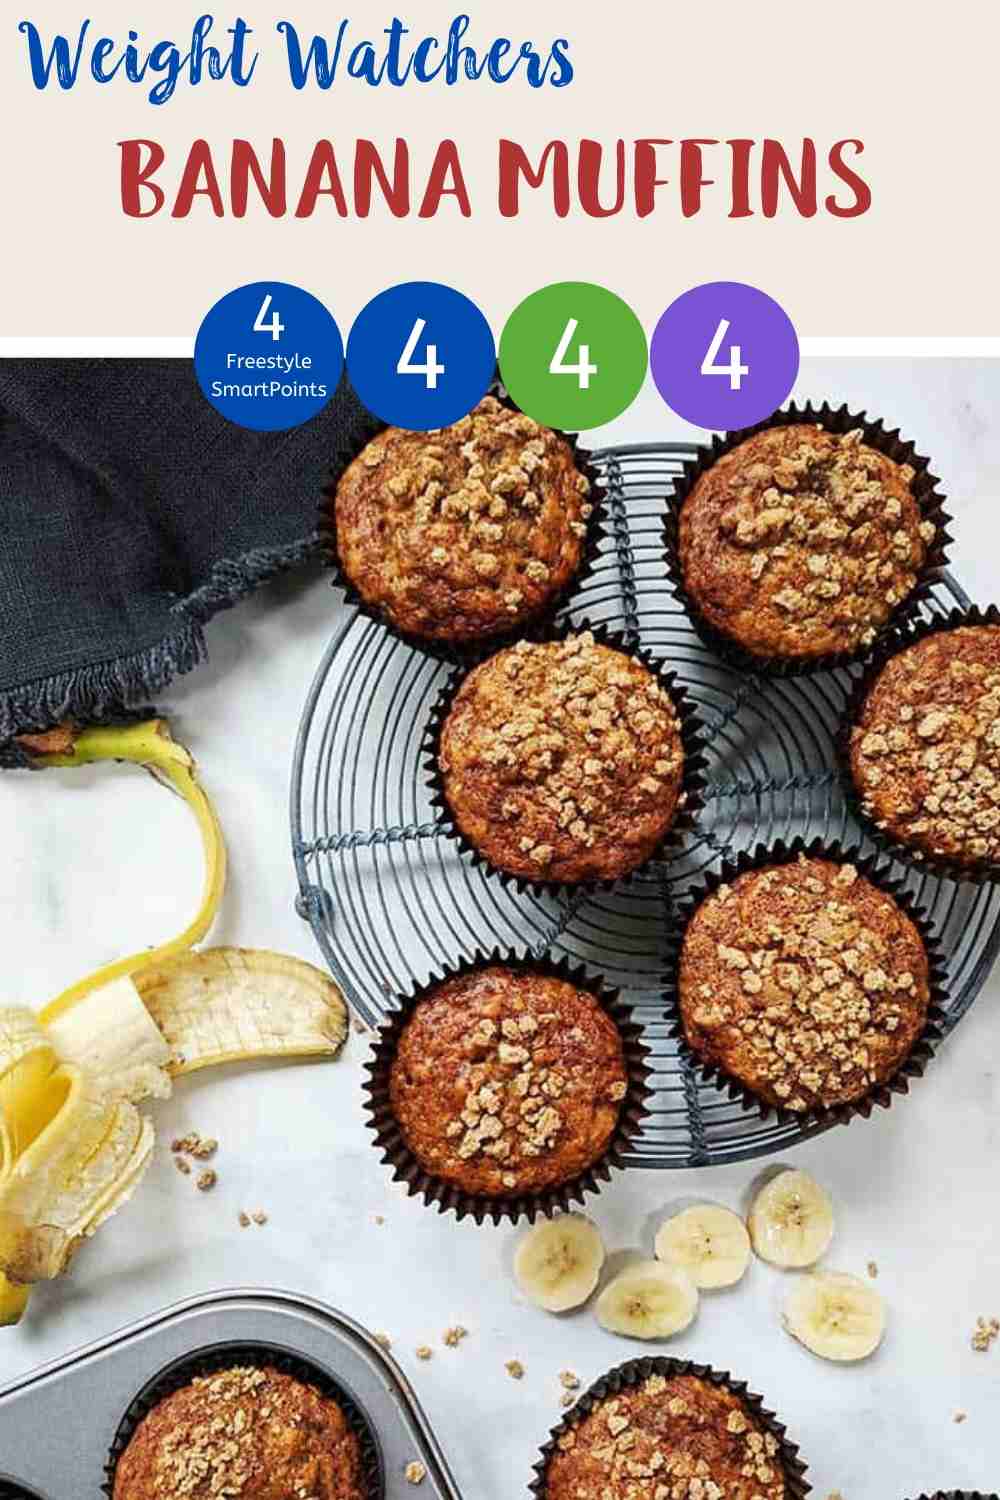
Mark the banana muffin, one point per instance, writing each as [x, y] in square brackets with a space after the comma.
[803, 982]
[464, 533]
[507, 1081]
[800, 543]
[563, 761]
[668, 1436]
[249, 1431]
[925, 751]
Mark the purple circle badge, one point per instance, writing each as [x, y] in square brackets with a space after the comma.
[724, 355]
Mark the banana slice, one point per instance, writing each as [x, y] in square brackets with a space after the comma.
[837, 1316]
[791, 1222]
[225, 1004]
[648, 1301]
[111, 1035]
[558, 1262]
[710, 1243]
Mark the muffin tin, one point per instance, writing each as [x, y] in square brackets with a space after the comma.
[58, 1423]
[391, 898]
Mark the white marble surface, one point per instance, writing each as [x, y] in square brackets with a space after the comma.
[99, 862]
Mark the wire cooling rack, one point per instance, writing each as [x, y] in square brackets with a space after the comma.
[390, 898]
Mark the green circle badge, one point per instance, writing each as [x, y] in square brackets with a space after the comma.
[573, 355]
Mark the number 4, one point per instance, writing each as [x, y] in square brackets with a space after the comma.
[583, 369]
[735, 370]
[431, 370]
[275, 328]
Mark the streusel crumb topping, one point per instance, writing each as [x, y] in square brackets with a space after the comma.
[805, 982]
[926, 751]
[563, 760]
[801, 542]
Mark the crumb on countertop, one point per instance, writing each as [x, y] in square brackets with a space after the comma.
[415, 1473]
[514, 1369]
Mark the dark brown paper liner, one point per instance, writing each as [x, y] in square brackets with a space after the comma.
[880, 874]
[960, 1495]
[633, 1373]
[837, 420]
[445, 1196]
[215, 1357]
[692, 783]
[905, 635]
[465, 651]
[11, 1491]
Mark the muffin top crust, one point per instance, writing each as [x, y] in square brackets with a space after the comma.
[249, 1431]
[925, 753]
[467, 532]
[563, 761]
[508, 1081]
[670, 1438]
[805, 982]
[800, 543]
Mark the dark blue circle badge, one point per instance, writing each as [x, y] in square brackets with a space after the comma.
[269, 356]
[421, 355]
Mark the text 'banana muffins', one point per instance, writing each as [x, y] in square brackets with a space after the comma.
[563, 761]
[804, 982]
[800, 543]
[464, 533]
[507, 1081]
[925, 752]
[679, 1438]
[252, 1432]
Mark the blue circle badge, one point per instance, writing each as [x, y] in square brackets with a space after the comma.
[421, 355]
[269, 356]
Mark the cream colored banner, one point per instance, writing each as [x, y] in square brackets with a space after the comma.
[915, 83]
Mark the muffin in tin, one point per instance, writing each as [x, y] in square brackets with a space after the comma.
[925, 747]
[803, 982]
[249, 1430]
[466, 533]
[508, 1082]
[563, 761]
[667, 1434]
[800, 543]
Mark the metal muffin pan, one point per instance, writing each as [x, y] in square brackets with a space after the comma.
[57, 1423]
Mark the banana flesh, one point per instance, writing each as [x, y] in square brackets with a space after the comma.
[708, 1242]
[791, 1222]
[836, 1316]
[558, 1262]
[110, 1034]
[649, 1300]
[229, 1004]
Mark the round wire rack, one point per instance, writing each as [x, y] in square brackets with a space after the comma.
[390, 898]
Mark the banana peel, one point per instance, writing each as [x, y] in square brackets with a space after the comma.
[151, 745]
[73, 1145]
[226, 1005]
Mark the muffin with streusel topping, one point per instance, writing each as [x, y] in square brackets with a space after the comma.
[925, 747]
[247, 1430]
[800, 543]
[506, 1081]
[803, 982]
[672, 1435]
[465, 533]
[563, 761]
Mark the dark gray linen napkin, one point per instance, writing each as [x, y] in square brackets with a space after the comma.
[131, 512]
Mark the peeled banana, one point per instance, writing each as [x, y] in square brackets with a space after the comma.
[837, 1316]
[73, 1145]
[649, 1300]
[558, 1262]
[791, 1222]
